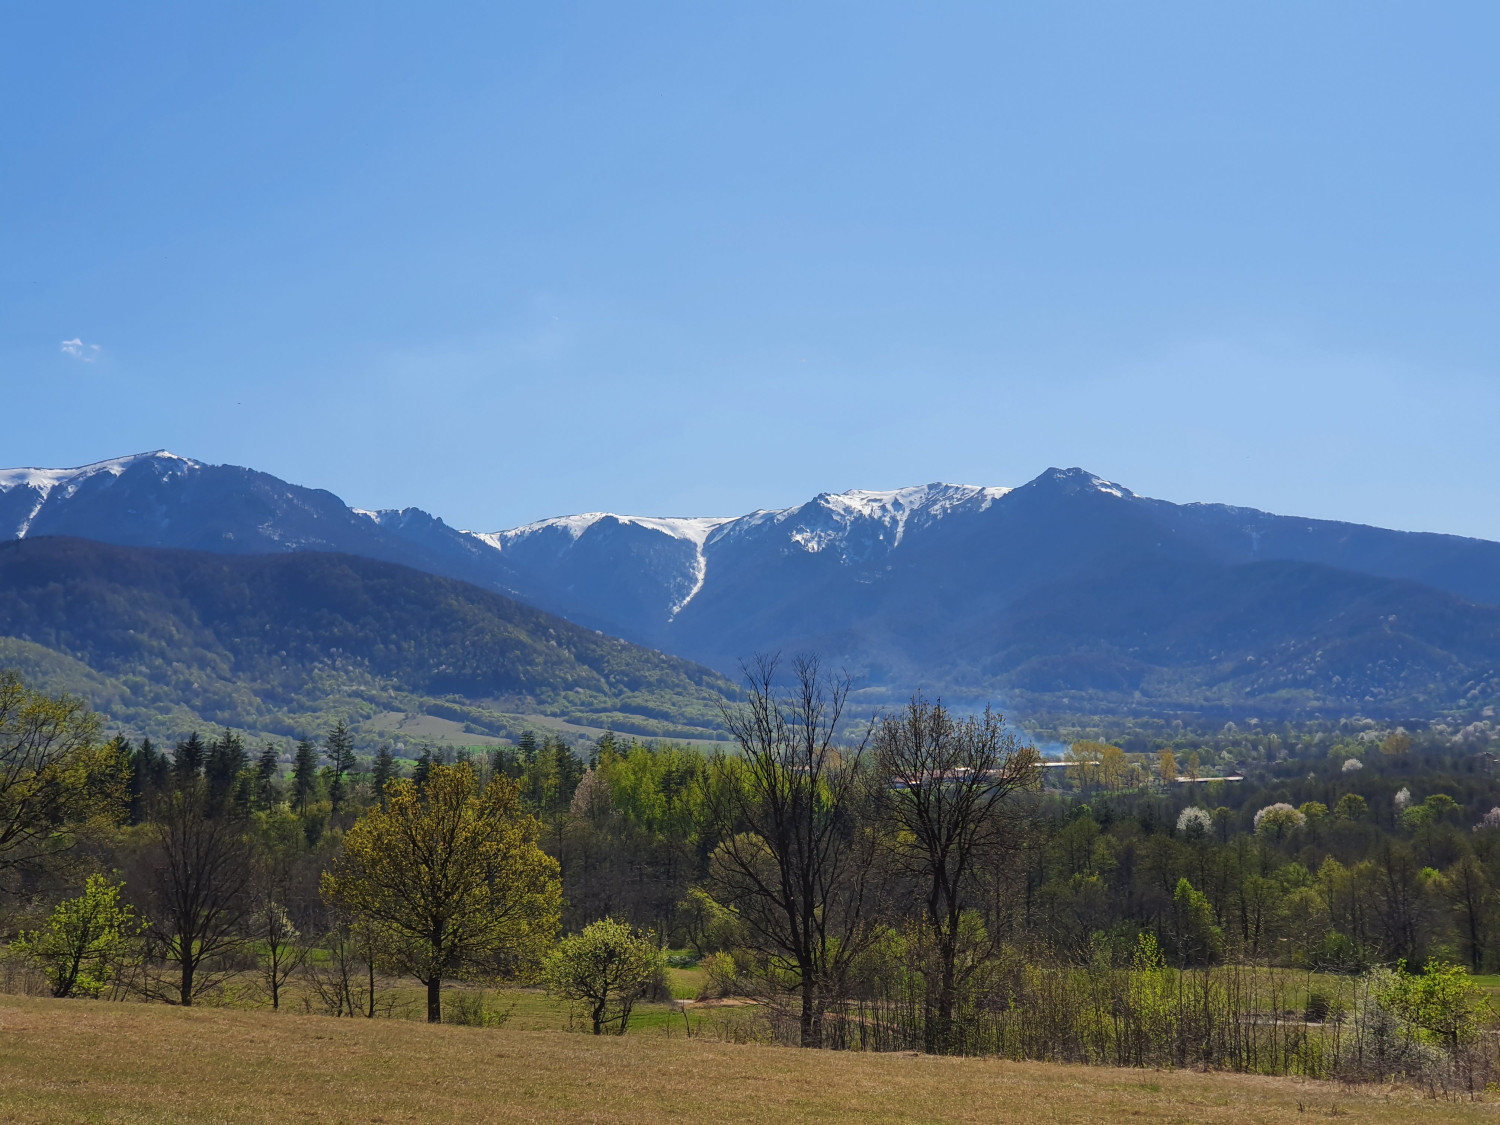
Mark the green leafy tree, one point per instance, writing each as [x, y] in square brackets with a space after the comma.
[605, 969]
[1443, 1002]
[1351, 806]
[453, 876]
[80, 945]
[1199, 939]
[53, 775]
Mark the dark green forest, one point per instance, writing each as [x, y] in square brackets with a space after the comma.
[159, 640]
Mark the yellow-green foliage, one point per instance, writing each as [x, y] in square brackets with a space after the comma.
[605, 969]
[82, 939]
[52, 774]
[454, 876]
[1443, 1002]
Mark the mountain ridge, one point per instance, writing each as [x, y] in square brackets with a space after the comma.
[980, 589]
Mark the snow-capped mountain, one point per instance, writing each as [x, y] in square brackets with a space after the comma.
[1069, 588]
[658, 566]
[160, 499]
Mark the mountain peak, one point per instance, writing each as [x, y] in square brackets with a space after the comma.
[1076, 480]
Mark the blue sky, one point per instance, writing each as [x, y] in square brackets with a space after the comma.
[509, 261]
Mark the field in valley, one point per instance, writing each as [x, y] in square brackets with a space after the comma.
[82, 1061]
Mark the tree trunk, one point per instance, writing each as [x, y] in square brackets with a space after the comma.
[185, 989]
[809, 1036]
[435, 1000]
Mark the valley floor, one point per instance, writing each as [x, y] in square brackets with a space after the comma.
[85, 1061]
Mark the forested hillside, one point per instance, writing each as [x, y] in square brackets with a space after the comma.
[162, 640]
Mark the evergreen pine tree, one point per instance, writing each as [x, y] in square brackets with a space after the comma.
[225, 760]
[604, 749]
[187, 760]
[385, 769]
[567, 772]
[340, 754]
[265, 776]
[505, 762]
[423, 768]
[149, 771]
[304, 774]
[526, 746]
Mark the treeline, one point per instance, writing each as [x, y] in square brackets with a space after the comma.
[928, 883]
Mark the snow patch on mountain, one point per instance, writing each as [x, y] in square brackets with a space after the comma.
[829, 519]
[1110, 487]
[63, 483]
[694, 529]
[45, 480]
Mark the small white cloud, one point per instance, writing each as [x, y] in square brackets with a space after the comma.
[79, 350]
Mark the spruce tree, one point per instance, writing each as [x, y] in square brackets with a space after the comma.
[304, 774]
[149, 772]
[604, 750]
[265, 776]
[385, 769]
[222, 767]
[187, 760]
[423, 769]
[526, 746]
[567, 772]
[340, 754]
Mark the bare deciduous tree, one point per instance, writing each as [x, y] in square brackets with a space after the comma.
[281, 949]
[200, 889]
[794, 862]
[946, 785]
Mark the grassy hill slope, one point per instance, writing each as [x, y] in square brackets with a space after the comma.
[278, 643]
[61, 1062]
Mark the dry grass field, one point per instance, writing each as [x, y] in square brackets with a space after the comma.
[83, 1061]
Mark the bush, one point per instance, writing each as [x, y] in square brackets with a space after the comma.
[1318, 1007]
[474, 1009]
[605, 969]
[83, 939]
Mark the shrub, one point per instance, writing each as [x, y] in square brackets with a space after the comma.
[1318, 1007]
[605, 969]
[473, 1009]
[78, 947]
